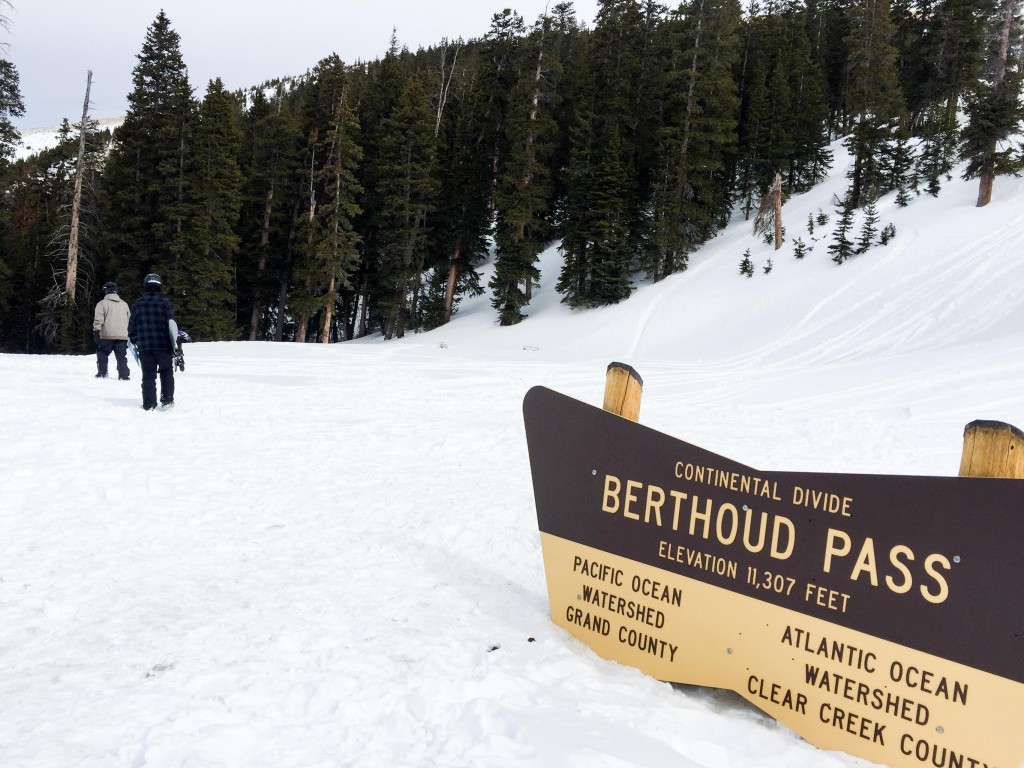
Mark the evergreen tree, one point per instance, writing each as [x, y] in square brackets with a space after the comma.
[994, 107]
[611, 250]
[502, 60]
[11, 106]
[203, 289]
[379, 96]
[812, 157]
[336, 251]
[409, 195]
[462, 218]
[574, 280]
[842, 247]
[569, 46]
[900, 162]
[618, 43]
[522, 193]
[326, 252]
[747, 264]
[691, 192]
[869, 228]
[943, 53]
[799, 248]
[271, 153]
[828, 30]
[874, 97]
[939, 141]
[145, 176]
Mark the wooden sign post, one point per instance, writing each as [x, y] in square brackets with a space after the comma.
[622, 391]
[992, 449]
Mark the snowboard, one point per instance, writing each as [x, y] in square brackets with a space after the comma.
[135, 352]
[177, 356]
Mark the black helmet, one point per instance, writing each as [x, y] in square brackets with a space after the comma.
[110, 287]
[152, 279]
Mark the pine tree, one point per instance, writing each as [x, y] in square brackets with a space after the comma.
[615, 231]
[11, 106]
[994, 107]
[612, 250]
[326, 254]
[271, 153]
[462, 218]
[145, 174]
[841, 247]
[336, 251]
[203, 291]
[521, 196]
[747, 264]
[380, 90]
[691, 197]
[574, 280]
[874, 97]
[408, 196]
[869, 228]
[799, 248]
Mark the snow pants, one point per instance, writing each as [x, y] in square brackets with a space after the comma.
[153, 363]
[119, 348]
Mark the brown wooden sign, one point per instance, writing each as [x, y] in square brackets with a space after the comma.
[878, 615]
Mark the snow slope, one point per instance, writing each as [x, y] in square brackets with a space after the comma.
[328, 555]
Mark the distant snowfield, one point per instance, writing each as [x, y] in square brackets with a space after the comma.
[34, 140]
[328, 555]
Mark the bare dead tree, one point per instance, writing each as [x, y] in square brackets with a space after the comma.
[5, 21]
[446, 80]
[76, 201]
[769, 212]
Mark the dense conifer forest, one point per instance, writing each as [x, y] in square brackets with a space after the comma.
[362, 197]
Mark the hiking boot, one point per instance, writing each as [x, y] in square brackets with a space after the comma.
[101, 375]
[166, 406]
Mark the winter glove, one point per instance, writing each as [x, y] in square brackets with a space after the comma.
[96, 337]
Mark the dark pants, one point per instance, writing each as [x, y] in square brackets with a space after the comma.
[119, 348]
[151, 363]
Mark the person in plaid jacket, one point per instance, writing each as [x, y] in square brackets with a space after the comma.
[149, 331]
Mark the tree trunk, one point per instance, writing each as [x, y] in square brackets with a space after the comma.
[446, 84]
[985, 182]
[777, 199]
[363, 314]
[1008, 14]
[76, 203]
[449, 288]
[328, 313]
[282, 300]
[264, 244]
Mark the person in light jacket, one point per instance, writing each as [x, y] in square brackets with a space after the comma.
[110, 332]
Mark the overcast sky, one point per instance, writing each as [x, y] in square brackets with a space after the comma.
[53, 43]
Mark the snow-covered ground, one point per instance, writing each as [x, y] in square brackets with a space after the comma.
[35, 140]
[329, 556]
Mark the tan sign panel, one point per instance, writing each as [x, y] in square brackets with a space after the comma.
[880, 616]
